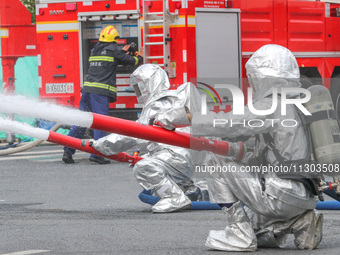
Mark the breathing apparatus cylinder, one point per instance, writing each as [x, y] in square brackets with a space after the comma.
[324, 128]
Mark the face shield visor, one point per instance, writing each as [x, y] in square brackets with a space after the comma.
[255, 81]
[250, 82]
[136, 89]
[139, 89]
[148, 81]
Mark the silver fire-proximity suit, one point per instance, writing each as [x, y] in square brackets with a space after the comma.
[274, 207]
[166, 170]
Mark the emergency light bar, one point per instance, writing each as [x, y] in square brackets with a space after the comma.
[71, 6]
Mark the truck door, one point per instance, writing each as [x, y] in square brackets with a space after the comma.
[218, 48]
[128, 27]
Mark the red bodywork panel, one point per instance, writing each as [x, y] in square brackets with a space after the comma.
[18, 34]
[307, 27]
[18, 38]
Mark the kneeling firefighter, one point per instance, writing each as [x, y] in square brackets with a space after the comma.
[276, 203]
[166, 170]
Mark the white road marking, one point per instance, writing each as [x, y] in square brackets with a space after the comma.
[22, 157]
[38, 152]
[32, 156]
[26, 252]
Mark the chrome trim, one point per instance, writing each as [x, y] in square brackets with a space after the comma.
[82, 14]
[321, 54]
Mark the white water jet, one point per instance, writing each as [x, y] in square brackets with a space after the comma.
[11, 126]
[28, 107]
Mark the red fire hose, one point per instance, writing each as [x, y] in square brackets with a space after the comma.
[150, 133]
[160, 135]
[83, 145]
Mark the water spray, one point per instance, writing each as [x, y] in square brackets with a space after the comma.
[53, 137]
[9, 104]
[23, 106]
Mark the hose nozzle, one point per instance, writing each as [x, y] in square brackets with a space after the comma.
[237, 151]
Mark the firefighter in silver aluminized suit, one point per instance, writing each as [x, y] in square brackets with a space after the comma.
[166, 170]
[274, 207]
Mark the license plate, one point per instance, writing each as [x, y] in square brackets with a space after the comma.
[56, 88]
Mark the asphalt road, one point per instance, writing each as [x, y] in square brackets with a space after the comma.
[47, 207]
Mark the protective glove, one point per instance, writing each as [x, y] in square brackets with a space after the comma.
[336, 180]
[174, 118]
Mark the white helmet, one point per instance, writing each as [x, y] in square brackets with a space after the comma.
[272, 66]
[148, 81]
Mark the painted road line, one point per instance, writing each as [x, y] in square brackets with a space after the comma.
[26, 252]
[21, 157]
[34, 157]
[37, 152]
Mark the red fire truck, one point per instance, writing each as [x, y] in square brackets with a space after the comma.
[194, 40]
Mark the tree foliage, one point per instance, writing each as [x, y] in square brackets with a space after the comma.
[30, 5]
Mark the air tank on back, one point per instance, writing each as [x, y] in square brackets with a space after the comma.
[324, 132]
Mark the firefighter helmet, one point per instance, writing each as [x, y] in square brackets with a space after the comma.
[109, 34]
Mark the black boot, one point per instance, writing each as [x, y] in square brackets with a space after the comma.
[67, 158]
[100, 160]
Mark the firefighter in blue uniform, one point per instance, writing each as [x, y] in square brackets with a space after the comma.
[100, 86]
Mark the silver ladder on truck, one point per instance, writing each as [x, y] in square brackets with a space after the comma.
[150, 40]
